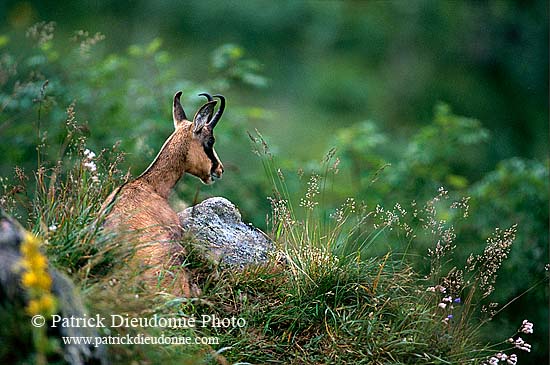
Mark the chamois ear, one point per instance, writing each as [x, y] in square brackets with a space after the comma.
[203, 116]
[177, 111]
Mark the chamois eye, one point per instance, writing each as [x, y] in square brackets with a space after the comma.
[209, 143]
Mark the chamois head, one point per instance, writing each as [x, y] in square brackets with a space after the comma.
[202, 160]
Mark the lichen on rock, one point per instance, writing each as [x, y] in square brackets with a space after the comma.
[217, 225]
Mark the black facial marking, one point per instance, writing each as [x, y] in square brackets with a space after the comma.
[208, 146]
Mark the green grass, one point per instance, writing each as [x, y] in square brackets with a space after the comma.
[325, 297]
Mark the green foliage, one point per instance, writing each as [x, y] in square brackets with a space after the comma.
[14, 335]
[441, 150]
[63, 202]
[517, 192]
[123, 99]
[444, 153]
[332, 282]
[230, 62]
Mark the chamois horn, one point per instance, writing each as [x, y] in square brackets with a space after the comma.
[207, 95]
[219, 113]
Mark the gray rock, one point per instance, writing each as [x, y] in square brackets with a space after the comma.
[217, 225]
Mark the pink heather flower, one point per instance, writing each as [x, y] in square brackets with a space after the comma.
[526, 327]
[502, 356]
[438, 288]
[442, 305]
[521, 344]
[525, 347]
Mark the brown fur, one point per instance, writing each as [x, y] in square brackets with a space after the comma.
[142, 204]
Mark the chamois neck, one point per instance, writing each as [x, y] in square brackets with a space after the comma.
[169, 165]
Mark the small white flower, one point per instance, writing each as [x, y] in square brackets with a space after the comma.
[89, 154]
[442, 305]
[52, 228]
[512, 360]
[493, 361]
[90, 165]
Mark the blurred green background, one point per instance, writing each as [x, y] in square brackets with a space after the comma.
[448, 93]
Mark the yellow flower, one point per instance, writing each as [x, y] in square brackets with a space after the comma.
[30, 244]
[28, 249]
[37, 262]
[44, 282]
[33, 307]
[47, 304]
[29, 279]
[32, 239]
[36, 277]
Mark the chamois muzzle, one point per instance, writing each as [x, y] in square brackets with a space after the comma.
[216, 175]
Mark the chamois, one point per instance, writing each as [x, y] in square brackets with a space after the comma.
[141, 205]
